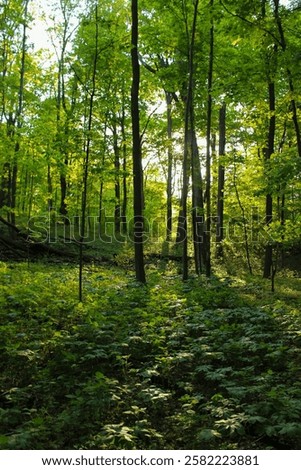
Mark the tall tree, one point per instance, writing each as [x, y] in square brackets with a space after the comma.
[187, 137]
[268, 152]
[137, 156]
[12, 101]
[208, 145]
[87, 150]
[169, 99]
[18, 115]
[283, 43]
[221, 182]
[198, 208]
[61, 36]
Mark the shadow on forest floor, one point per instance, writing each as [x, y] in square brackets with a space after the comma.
[133, 365]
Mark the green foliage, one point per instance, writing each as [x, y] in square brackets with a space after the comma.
[135, 366]
[208, 364]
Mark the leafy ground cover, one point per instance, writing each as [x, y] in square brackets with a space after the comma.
[206, 364]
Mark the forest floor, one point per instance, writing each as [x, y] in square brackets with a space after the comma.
[206, 364]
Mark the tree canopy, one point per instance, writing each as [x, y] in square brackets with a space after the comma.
[193, 58]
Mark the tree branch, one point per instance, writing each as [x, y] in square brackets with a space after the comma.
[251, 23]
[147, 123]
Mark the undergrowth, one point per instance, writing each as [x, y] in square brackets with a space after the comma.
[205, 364]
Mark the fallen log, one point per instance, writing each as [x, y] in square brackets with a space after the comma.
[32, 249]
[26, 244]
[10, 225]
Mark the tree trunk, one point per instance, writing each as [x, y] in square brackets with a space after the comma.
[101, 185]
[184, 224]
[180, 224]
[117, 211]
[60, 144]
[87, 159]
[208, 153]
[246, 241]
[293, 103]
[4, 199]
[63, 183]
[168, 98]
[197, 206]
[137, 158]
[187, 141]
[124, 174]
[49, 189]
[18, 120]
[221, 183]
[268, 259]
[62, 128]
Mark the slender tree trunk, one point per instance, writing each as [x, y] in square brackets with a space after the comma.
[117, 212]
[187, 141]
[137, 157]
[168, 98]
[101, 214]
[87, 159]
[62, 127]
[282, 221]
[14, 175]
[5, 170]
[24, 189]
[221, 183]
[61, 145]
[198, 206]
[268, 259]
[100, 209]
[208, 153]
[49, 188]
[124, 175]
[184, 224]
[281, 198]
[63, 183]
[18, 122]
[180, 223]
[294, 107]
[195, 209]
[24, 179]
[294, 111]
[4, 200]
[30, 196]
[9, 194]
[246, 241]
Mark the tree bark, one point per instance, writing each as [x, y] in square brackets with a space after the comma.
[187, 142]
[87, 159]
[208, 153]
[293, 103]
[62, 127]
[221, 183]
[18, 122]
[117, 211]
[246, 241]
[49, 189]
[124, 174]
[168, 98]
[197, 206]
[137, 157]
[268, 259]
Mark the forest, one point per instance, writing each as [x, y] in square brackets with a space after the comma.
[150, 224]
